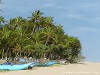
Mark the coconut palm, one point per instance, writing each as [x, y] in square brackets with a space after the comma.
[5, 39]
[20, 39]
[48, 35]
[2, 21]
[34, 21]
[48, 22]
[15, 22]
[75, 48]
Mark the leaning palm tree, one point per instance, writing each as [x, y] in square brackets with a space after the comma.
[75, 48]
[48, 38]
[48, 35]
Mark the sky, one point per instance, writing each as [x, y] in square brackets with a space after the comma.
[79, 18]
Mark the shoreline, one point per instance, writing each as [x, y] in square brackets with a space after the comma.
[83, 68]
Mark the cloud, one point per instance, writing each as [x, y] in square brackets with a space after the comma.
[89, 5]
[88, 29]
[84, 30]
[71, 15]
[48, 5]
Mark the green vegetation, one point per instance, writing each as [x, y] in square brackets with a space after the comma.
[38, 37]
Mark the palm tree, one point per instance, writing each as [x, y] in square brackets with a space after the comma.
[39, 47]
[48, 35]
[49, 22]
[34, 21]
[75, 48]
[2, 21]
[4, 39]
[20, 39]
[15, 22]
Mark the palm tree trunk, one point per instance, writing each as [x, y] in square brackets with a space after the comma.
[47, 40]
[6, 54]
[20, 54]
[3, 53]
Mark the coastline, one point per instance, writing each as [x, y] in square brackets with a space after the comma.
[83, 68]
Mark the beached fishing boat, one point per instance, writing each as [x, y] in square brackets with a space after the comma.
[50, 63]
[16, 66]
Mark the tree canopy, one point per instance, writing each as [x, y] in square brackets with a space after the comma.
[38, 37]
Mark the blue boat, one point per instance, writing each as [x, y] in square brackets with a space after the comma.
[50, 63]
[24, 66]
[15, 66]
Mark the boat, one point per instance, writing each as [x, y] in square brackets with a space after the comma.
[24, 66]
[15, 66]
[50, 63]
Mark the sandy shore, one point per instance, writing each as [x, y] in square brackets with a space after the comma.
[86, 68]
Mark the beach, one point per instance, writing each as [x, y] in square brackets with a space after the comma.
[86, 68]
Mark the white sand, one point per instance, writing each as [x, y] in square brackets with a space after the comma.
[87, 68]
